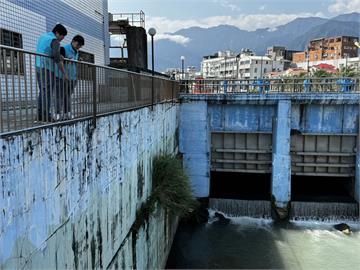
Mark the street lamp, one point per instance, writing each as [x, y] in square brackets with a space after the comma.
[182, 67]
[346, 63]
[152, 33]
[307, 61]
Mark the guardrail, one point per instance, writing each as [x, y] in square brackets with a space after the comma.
[88, 91]
[134, 19]
[263, 86]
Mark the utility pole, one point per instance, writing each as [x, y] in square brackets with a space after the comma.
[225, 67]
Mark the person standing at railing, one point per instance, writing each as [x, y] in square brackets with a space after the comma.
[48, 44]
[65, 87]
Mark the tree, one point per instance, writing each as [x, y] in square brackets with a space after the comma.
[348, 72]
[321, 73]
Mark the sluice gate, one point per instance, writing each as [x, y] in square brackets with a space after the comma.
[288, 149]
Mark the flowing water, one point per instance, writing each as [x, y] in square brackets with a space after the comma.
[258, 209]
[257, 243]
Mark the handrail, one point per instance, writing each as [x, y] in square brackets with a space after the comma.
[268, 86]
[34, 93]
[80, 62]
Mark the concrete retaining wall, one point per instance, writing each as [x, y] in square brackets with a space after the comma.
[69, 195]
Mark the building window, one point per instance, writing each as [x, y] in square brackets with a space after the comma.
[255, 70]
[13, 61]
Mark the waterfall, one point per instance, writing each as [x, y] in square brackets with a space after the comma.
[237, 208]
[324, 210]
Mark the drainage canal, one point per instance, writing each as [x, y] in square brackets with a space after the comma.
[323, 198]
[241, 194]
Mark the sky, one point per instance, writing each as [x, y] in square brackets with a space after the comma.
[168, 16]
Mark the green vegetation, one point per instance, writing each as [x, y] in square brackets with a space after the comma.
[320, 73]
[171, 186]
[171, 190]
[348, 72]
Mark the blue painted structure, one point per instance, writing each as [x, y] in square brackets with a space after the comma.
[309, 113]
[195, 144]
[281, 166]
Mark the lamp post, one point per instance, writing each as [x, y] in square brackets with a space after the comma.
[182, 58]
[152, 33]
[225, 66]
[307, 61]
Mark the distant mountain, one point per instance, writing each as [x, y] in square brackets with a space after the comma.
[328, 29]
[294, 35]
[351, 17]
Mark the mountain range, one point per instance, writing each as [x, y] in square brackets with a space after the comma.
[294, 35]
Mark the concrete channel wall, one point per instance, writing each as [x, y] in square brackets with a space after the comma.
[327, 122]
[69, 194]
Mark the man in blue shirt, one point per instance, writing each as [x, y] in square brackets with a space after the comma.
[48, 45]
[65, 86]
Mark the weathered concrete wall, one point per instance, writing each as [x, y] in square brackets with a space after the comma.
[357, 166]
[325, 118]
[281, 160]
[194, 143]
[69, 194]
[241, 118]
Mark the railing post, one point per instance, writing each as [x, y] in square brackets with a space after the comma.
[172, 92]
[94, 97]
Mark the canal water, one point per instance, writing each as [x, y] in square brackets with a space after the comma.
[253, 243]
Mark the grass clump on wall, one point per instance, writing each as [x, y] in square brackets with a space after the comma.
[171, 190]
[171, 186]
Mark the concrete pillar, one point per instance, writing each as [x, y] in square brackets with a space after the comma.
[194, 144]
[357, 167]
[357, 176]
[281, 159]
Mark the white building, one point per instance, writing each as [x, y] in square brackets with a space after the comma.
[253, 67]
[219, 65]
[190, 73]
[245, 65]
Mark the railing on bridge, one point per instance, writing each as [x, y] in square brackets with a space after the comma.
[90, 90]
[263, 86]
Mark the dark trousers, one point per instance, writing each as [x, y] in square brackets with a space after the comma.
[63, 91]
[45, 79]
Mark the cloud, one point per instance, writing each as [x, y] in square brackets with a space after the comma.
[226, 4]
[245, 22]
[117, 40]
[175, 38]
[344, 6]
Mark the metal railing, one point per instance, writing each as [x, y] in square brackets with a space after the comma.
[263, 86]
[134, 19]
[87, 90]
